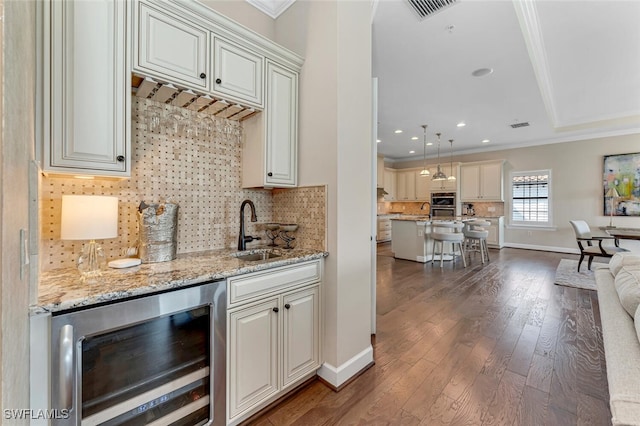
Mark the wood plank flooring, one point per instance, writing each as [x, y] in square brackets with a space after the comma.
[493, 344]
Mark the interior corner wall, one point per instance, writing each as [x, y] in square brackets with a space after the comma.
[18, 74]
[244, 14]
[334, 37]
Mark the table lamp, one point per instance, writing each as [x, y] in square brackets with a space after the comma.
[89, 217]
[612, 193]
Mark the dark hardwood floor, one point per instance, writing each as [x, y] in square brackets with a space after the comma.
[493, 344]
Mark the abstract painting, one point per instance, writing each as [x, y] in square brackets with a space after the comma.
[622, 172]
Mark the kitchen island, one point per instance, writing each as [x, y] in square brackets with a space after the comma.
[410, 238]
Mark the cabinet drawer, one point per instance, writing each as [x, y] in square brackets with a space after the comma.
[245, 287]
[384, 225]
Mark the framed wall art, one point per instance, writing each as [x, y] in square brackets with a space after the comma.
[621, 185]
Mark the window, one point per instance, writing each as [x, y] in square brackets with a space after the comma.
[530, 198]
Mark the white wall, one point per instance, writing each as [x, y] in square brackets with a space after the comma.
[16, 151]
[244, 14]
[577, 173]
[335, 136]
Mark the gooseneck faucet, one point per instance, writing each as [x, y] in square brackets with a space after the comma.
[242, 239]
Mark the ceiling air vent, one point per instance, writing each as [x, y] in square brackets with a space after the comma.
[516, 125]
[426, 8]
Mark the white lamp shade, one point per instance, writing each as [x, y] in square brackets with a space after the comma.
[89, 217]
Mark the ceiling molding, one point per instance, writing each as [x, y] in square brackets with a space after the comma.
[273, 8]
[498, 147]
[529, 24]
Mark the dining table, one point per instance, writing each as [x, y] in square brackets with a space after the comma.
[624, 233]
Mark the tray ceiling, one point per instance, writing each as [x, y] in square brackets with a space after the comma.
[571, 69]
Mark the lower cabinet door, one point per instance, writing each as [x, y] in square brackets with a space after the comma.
[301, 333]
[253, 355]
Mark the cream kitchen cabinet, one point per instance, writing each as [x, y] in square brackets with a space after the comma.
[390, 180]
[270, 151]
[384, 228]
[170, 48]
[495, 238]
[406, 185]
[86, 126]
[273, 335]
[445, 185]
[238, 73]
[481, 181]
[423, 187]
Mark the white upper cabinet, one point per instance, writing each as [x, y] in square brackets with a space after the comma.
[445, 185]
[423, 187]
[238, 73]
[406, 185]
[481, 181]
[171, 48]
[390, 184]
[270, 151]
[86, 100]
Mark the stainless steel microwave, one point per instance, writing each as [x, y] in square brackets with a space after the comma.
[158, 359]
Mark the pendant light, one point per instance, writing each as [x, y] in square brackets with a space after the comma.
[424, 172]
[439, 174]
[451, 175]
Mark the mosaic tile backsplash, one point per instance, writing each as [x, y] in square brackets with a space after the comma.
[200, 173]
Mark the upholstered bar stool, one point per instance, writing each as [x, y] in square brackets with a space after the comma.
[451, 234]
[475, 236]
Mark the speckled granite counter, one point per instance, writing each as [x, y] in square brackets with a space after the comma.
[61, 289]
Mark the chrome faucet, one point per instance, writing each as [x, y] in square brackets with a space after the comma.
[242, 239]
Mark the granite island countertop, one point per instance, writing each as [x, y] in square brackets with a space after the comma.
[61, 289]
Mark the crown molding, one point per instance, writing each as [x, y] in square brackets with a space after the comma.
[272, 8]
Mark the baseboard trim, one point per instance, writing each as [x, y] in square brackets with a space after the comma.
[542, 248]
[336, 377]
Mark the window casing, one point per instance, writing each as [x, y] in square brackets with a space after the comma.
[530, 198]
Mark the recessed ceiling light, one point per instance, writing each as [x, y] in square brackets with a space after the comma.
[485, 140]
[481, 72]
[461, 124]
[378, 140]
[412, 152]
[398, 131]
[415, 138]
[429, 143]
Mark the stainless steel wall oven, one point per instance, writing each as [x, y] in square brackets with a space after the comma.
[443, 204]
[158, 359]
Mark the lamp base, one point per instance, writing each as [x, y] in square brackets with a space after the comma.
[91, 261]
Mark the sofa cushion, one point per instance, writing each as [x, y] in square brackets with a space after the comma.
[627, 283]
[620, 260]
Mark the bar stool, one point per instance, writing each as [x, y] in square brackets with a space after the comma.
[476, 235]
[453, 235]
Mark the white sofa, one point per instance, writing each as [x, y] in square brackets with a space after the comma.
[621, 335]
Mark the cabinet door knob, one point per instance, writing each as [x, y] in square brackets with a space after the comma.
[203, 75]
[120, 158]
[276, 310]
[269, 174]
[287, 306]
[218, 81]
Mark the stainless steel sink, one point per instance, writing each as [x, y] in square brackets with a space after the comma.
[256, 256]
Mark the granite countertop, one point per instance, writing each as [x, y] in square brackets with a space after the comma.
[61, 289]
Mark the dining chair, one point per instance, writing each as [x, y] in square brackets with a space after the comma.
[585, 243]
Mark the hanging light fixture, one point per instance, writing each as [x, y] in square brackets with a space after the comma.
[451, 175]
[424, 172]
[439, 174]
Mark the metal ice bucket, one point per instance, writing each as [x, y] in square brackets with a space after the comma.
[158, 232]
